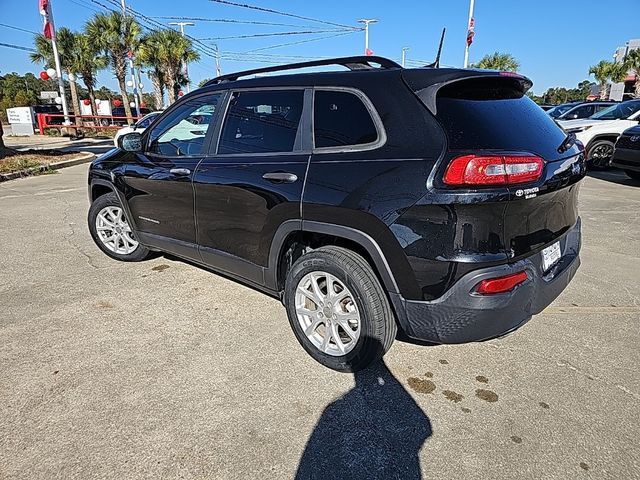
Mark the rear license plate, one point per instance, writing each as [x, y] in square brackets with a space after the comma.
[550, 256]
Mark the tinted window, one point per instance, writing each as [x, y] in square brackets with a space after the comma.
[262, 122]
[555, 112]
[620, 111]
[583, 111]
[184, 130]
[341, 119]
[500, 119]
[146, 121]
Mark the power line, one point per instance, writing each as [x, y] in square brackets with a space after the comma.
[17, 47]
[229, 20]
[276, 12]
[18, 28]
[324, 37]
[275, 34]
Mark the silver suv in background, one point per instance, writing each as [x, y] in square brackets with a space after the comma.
[577, 110]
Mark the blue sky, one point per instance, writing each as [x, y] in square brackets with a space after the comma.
[555, 41]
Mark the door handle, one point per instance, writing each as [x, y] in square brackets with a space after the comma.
[180, 171]
[280, 177]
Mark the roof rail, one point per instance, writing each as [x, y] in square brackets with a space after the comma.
[352, 63]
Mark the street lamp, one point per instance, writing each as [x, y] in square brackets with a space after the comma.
[366, 22]
[182, 25]
[404, 55]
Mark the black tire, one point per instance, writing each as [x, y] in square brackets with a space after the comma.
[377, 322]
[111, 200]
[632, 174]
[597, 162]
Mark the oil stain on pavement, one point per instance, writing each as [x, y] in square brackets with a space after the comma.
[160, 268]
[487, 395]
[421, 385]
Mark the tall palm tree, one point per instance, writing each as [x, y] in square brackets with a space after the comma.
[67, 52]
[88, 63]
[632, 62]
[115, 35]
[170, 51]
[602, 72]
[505, 62]
[147, 56]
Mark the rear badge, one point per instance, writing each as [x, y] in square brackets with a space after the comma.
[527, 192]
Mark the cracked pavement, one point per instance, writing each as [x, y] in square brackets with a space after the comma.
[163, 370]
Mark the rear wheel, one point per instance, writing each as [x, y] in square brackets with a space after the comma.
[600, 153]
[338, 310]
[112, 232]
[632, 174]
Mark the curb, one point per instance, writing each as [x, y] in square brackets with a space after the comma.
[87, 157]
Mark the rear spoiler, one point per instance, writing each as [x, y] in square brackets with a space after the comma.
[427, 83]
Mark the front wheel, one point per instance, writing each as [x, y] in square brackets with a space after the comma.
[112, 232]
[338, 310]
[600, 153]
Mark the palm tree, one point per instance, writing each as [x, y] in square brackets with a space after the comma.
[116, 35]
[632, 62]
[505, 62]
[166, 51]
[67, 52]
[147, 56]
[88, 62]
[602, 72]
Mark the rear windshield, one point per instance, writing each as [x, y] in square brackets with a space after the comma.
[488, 118]
[555, 112]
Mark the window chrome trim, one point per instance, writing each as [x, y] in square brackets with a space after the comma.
[373, 113]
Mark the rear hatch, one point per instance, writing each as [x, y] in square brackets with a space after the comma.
[489, 115]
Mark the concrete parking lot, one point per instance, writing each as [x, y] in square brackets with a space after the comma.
[163, 370]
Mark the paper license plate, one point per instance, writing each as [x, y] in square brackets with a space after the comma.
[550, 256]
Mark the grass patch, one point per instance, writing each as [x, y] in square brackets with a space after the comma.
[35, 158]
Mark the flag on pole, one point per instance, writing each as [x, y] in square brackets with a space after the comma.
[43, 7]
[471, 32]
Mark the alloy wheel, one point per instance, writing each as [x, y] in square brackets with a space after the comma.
[114, 231]
[327, 313]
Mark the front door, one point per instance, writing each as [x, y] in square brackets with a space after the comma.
[158, 182]
[254, 181]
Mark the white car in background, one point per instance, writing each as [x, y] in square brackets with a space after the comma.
[599, 133]
[139, 126]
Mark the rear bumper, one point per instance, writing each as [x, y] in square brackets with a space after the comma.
[461, 316]
[626, 159]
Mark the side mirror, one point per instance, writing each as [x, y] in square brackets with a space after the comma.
[130, 142]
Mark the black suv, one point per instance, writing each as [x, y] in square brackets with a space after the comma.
[441, 202]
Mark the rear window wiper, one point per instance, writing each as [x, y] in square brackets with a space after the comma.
[567, 143]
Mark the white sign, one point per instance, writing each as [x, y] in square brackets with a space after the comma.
[48, 95]
[20, 115]
[617, 91]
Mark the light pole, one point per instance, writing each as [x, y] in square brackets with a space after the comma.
[133, 73]
[404, 55]
[469, 27]
[366, 22]
[186, 68]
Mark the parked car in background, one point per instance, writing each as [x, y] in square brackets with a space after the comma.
[546, 107]
[139, 126]
[354, 198]
[577, 110]
[599, 133]
[50, 109]
[627, 152]
[119, 112]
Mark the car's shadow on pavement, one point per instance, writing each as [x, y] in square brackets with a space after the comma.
[613, 176]
[375, 430]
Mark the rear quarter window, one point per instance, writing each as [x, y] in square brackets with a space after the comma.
[341, 119]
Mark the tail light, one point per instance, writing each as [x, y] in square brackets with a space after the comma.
[493, 170]
[501, 284]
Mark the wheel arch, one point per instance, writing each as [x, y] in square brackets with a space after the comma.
[100, 187]
[612, 137]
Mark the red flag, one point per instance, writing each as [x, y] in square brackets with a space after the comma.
[43, 7]
[471, 32]
[368, 52]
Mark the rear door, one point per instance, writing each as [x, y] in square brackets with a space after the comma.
[488, 117]
[159, 180]
[253, 182]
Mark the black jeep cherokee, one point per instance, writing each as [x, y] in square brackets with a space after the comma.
[442, 202]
